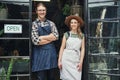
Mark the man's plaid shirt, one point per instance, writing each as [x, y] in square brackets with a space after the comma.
[37, 23]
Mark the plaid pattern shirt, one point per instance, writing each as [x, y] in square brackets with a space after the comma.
[35, 36]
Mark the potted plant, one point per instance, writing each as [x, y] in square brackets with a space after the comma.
[13, 65]
[10, 68]
[3, 11]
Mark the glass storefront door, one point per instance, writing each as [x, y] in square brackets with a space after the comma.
[15, 42]
[103, 33]
[103, 39]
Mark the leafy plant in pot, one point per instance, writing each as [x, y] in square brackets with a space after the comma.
[3, 11]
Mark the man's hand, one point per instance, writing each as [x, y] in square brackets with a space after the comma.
[49, 37]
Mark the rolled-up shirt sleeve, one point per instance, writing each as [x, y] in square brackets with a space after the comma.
[34, 34]
[54, 30]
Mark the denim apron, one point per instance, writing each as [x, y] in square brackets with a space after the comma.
[44, 57]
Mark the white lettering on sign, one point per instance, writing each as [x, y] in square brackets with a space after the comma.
[12, 28]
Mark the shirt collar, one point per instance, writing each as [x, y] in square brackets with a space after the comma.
[38, 20]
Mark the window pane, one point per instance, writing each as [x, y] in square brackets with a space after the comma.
[105, 29]
[14, 10]
[14, 47]
[104, 58]
[17, 66]
[25, 29]
[104, 45]
[98, 12]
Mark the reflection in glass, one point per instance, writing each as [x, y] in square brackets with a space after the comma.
[104, 40]
[104, 60]
[108, 30]
[16, 11]
[14, 47]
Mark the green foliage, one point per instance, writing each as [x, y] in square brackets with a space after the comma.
[66, 9]
[2, 6]
[2, 73]
[5, 75]
[1, 32]
[10, 69]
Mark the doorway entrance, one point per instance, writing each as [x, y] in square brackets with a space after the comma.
[57, 11]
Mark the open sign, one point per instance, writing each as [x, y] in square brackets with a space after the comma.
[12, 28]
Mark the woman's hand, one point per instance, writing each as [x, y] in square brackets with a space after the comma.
[79, 67]
[59, 65]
